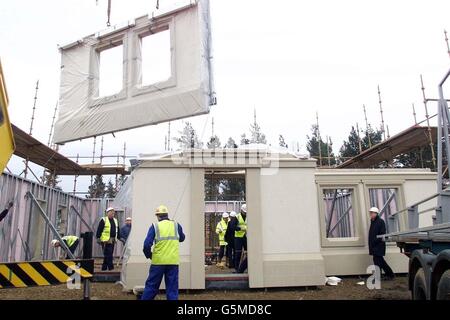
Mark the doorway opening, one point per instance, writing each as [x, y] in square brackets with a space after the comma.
[225, 194]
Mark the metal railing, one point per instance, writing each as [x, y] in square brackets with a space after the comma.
[442, 215]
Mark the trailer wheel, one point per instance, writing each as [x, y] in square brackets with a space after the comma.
[443, 292]
[420, 288]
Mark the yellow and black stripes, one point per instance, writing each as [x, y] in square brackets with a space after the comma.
[45, 273]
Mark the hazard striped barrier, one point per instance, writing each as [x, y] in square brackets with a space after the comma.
[44, 273]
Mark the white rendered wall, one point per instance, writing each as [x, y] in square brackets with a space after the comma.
[290, 229]
[285, 246]
[418, 190]
[290, 213]
[153, 187]
[354, 260]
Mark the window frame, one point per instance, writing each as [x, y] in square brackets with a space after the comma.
[399, 185]
[160, 26]
[357, 240]
[103, 45]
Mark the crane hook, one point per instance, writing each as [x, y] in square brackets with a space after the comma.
[108, 23]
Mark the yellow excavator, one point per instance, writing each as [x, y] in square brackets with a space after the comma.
[6, 136]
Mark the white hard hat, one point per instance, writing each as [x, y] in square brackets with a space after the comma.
[54, 242]
[128, 219]
[233, 214]
[244, 208]
[110, 209]
[374, 210]
[225, 215]
[162, 210]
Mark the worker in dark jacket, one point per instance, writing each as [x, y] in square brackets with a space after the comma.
[229, 238]
[108, 232]
[377, 247]
[125, 230]
[4, 213]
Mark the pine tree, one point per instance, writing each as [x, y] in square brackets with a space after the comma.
[256, 134]
[188, 138]
[121, 181]
[355, 144]
[233, 189]
[326, 154]
[212, 188]
[244, 140]
[422, 158]
[214, 143]
[376, 136]
[231, 144]
[50, 180]
[97, 189]
[283, 143]
[111, 191]
[351, 147]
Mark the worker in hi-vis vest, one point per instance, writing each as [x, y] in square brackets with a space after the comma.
[70, 241]
[240, 240]
[221, 230]
[165, 237]
[108, 232]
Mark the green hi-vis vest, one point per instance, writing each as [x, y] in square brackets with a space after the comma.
[167, 244]
[107, 229]
[222, 226]
[70, 240]
[241, 224]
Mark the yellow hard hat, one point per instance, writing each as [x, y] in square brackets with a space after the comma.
[162, 210]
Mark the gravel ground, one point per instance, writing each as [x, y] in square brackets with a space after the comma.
[213, 269]
[348, 290]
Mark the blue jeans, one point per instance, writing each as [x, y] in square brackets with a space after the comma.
[153, 282]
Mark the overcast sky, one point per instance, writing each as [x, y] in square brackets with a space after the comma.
[286, 58]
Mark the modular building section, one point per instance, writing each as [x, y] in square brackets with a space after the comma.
[345, 252]
[184, 90]
[24, 235]
[287, 219]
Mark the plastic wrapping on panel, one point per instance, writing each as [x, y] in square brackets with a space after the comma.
[126, 253]
[124, 197]
[123, 201]
[187, 90]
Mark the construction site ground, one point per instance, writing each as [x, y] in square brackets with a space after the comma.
[347, 290]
